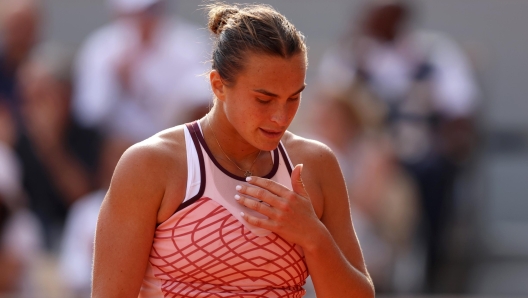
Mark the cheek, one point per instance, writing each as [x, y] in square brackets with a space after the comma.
[290, 110]
[293, 107]
[241, 111]
[282, 113]
[258, 114]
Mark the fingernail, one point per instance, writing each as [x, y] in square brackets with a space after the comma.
[237, 197]
[238, 187]
[242, 214]
[248, 179]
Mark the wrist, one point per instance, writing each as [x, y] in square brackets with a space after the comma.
[318, 240]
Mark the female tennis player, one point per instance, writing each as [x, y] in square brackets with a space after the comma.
[233, 205]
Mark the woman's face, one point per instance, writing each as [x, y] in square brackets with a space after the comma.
[262, 102]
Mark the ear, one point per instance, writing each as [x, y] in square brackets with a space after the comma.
[217, 85]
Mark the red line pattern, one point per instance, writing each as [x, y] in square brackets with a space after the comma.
[203, 251]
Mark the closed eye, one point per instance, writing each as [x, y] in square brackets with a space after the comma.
[263, 101]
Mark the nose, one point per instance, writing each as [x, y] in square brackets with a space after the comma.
[281, 115]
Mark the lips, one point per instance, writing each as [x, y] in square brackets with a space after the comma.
[271, 133]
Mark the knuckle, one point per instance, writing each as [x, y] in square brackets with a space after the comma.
[291, 196]
[257, 206]
[260, 192]
[267, 183]
[286, 207]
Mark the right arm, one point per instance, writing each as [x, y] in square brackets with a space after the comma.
[127, 220]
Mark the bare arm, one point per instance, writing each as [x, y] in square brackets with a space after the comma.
[127, 221]
[334, 257]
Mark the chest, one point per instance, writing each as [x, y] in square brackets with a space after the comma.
[205, 244]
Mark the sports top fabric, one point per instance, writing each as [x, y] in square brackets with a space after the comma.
[206, 249]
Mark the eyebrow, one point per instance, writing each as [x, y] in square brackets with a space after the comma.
[267, 93]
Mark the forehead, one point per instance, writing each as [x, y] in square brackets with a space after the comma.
[273, 72]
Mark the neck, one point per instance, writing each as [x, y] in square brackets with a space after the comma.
[224, 140]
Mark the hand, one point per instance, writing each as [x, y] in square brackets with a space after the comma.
[290, 213]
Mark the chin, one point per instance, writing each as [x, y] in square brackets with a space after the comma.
[269, 145]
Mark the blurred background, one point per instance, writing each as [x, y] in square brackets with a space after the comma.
[422, 101]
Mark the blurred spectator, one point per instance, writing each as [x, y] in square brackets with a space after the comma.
[19, 32]
[77, 245]
[8, 130]
[140, 73]
[383, 199]
[57, 154]
[416, 86]
[20, 233]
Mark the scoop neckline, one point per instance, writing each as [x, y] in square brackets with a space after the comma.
[201, 139]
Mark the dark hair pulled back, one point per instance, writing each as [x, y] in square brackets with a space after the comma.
[256, 28]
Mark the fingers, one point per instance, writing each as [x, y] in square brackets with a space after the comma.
[296, 181]
[272, 199]
[273, 187]
[279, 189]
[260, 194]
[258, 206]
[258, 222]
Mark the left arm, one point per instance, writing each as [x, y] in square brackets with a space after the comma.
[330, 245]
[334, 257]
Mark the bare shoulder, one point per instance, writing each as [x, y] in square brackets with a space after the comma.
[302, 150]
[156, 153]
[152, 167]
[131, 209]
[320, 168]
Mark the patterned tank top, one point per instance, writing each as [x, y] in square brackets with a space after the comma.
[206, 249]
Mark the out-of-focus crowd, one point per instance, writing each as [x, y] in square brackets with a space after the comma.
[67, 117]
[395, 104]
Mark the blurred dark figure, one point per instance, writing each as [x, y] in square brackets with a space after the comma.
[141, 73]
[418, 87]
[20, 232]
[58, 156]
[19, 32]
[76, 254]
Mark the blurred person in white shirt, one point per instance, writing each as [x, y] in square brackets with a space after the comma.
[142, 72]
[415, 75]
[417, 87]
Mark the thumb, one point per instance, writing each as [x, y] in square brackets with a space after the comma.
[296, 181]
